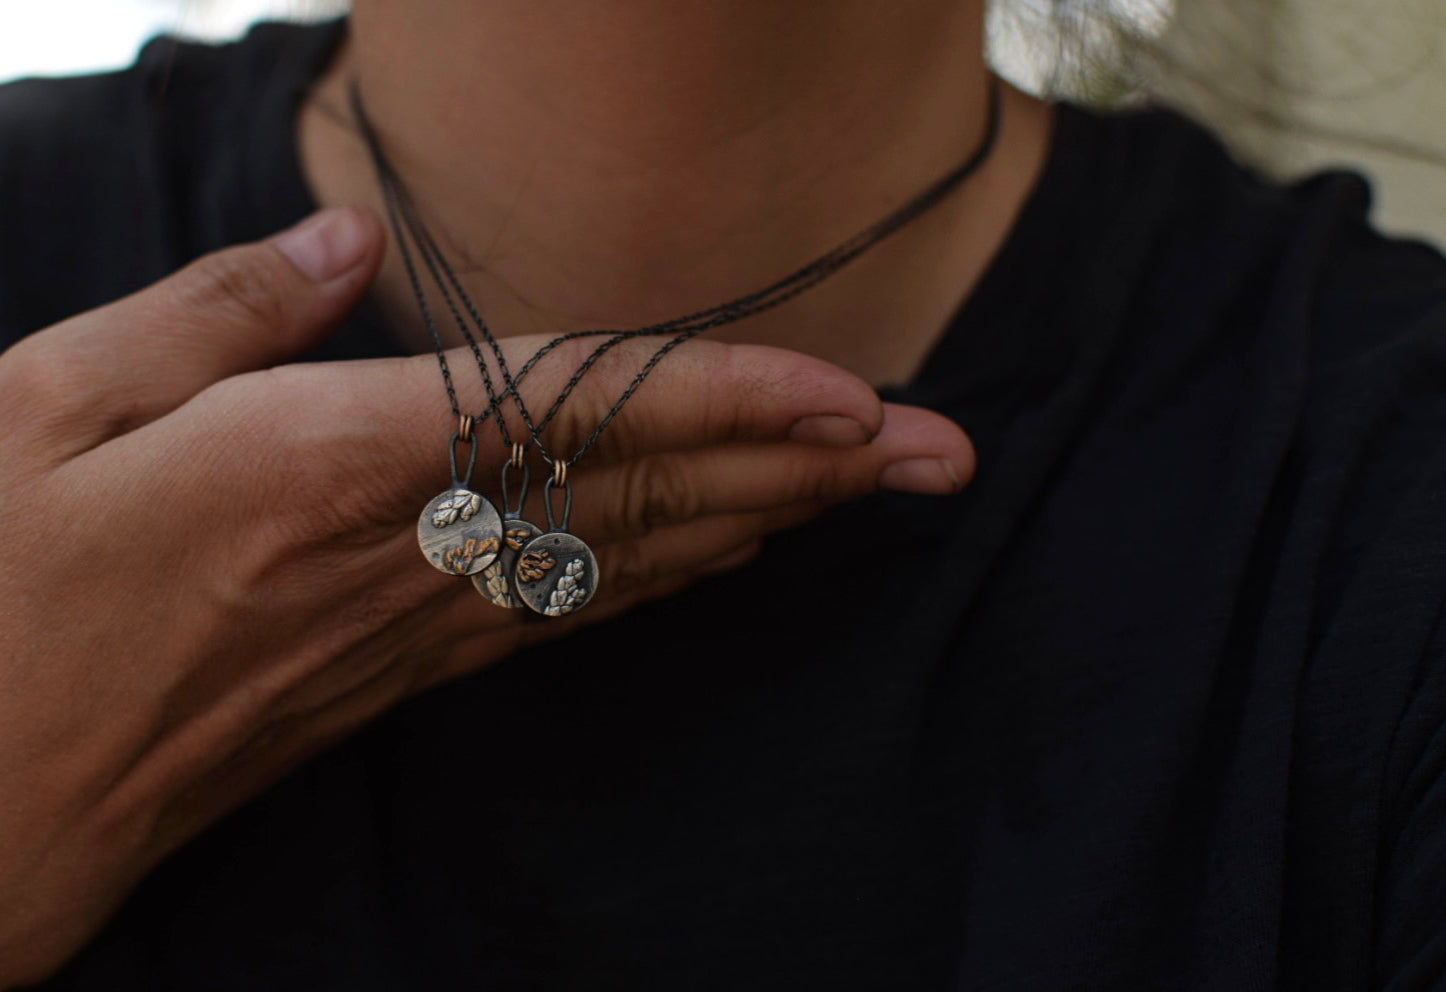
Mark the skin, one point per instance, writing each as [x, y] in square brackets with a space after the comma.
[610, 165]
[208, 566]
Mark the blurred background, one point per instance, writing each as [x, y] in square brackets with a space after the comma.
[56, 37]
[1293, 85]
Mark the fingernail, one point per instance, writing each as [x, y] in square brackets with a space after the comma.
[326, 244]
[929, 476]
[829, 429]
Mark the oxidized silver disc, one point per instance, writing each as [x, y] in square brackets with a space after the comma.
[460, 532]
[556, 573]
[495, 582]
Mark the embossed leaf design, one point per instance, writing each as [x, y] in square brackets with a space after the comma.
[498, 588]
[569, 593]
[460, 559]
[460, 504]
[517, 537]
[533, 565]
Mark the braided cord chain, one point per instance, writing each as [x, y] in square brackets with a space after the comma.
[400, 205]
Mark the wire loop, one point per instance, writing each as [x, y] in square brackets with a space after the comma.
[547, 488]
[507, 466]
[459, 481]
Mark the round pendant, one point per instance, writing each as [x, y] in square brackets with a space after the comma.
[460, 532]
[556, 573]
[495, 582]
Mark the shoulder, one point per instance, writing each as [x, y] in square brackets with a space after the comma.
[1204, 211]
[1285, 292]
[110, 181]
[1303, 352]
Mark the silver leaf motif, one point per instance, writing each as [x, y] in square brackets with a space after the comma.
[569, 593]
[460, 504]
[499, 589]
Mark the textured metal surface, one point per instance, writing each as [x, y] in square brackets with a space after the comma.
[556, 573]
[460, 532]
[495, 582]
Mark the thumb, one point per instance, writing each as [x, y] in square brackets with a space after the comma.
[115, 368]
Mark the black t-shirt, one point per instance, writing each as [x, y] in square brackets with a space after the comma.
[1159, 702]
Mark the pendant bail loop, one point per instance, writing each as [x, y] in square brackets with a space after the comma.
[547, 488]
[516, 461]
[462, 481]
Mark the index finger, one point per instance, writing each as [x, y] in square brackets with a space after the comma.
[703, 393]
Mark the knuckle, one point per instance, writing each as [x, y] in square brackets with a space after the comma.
[249, 408]
[33, 376]
[238, 284]
[656, 492]
[767, 389]
[739, 392]
[727, 412]
[796, 376]
[312, 500]
[309, 455]
[260, 420]
[826, 481]
[759, 376]
[51, 389]
[601, 376]
[309, 504]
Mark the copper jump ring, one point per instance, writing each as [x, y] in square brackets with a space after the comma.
[464, 428]
[559, 473]
[518, 453]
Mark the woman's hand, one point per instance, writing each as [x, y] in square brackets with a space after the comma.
[209, 569]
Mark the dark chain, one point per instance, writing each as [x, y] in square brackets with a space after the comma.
[435, 260]
[421, 299]
[399, 207]
[430, 257]
[687, 326]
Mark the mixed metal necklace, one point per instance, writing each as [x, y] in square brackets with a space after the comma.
[512, 562]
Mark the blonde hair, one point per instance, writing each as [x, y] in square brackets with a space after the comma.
[1291, 85]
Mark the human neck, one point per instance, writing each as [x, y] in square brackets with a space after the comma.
[615, 164]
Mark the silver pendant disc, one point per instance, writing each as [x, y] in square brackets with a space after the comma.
[556, 573]
[460, 532]
[495, 582]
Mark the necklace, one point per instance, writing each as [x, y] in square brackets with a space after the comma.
[497, 581]
[494, 579]
[509, 558]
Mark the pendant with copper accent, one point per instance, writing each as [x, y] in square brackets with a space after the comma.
[460, 531]
[497, 582]
[556, 572]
